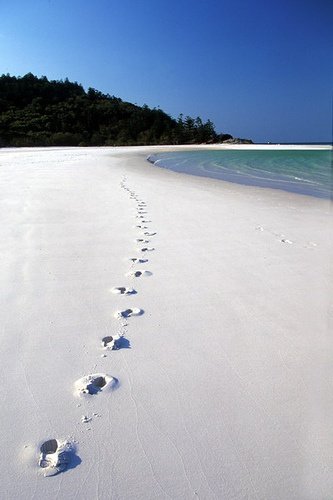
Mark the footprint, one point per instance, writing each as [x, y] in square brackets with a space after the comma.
[140, 217]
[128, 313]
[141, 227]
[110, 342]
[123, 343]
[95, 383]
[286, 241]
[147, 233]
[138, 261]
[141, 240]
[55, 456]
[139, 274]
[115, 343]
[146, 249]
[85, 419]
[121, 290]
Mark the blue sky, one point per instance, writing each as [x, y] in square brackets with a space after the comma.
[257, 69]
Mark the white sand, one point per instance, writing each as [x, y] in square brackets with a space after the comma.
[226, 391]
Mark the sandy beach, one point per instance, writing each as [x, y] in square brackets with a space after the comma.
[221, 386]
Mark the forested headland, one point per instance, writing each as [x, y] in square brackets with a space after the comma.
[40, 112]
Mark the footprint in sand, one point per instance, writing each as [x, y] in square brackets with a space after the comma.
[116, 342]
[141, 240]
[148, 234]
[95, 383]
[110, 342]
[141, 227]
[121, 290]
[55, 456]
[138, 261]
[139, 274]
[85, 419]
[128, 313]
[286, 241]
[146, 249]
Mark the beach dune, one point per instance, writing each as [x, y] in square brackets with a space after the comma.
[217, 381]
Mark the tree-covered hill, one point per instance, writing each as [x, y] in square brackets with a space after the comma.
[40, 112]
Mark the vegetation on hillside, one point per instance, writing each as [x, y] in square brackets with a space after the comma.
[40, 112]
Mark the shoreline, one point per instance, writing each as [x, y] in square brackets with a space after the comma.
[217, 389]
[139, 163]
[169, 147]
[256, 173]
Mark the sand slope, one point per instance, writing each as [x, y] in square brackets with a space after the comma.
[222, 387]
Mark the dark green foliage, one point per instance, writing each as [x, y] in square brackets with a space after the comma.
[225, 137]
[38, 112]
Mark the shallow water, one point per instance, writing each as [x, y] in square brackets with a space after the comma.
[303, 171]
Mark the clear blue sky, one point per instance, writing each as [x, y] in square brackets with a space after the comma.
[260, 69]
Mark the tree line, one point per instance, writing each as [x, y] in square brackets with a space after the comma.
[40, 112]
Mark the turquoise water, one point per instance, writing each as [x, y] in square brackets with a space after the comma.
[299, 171]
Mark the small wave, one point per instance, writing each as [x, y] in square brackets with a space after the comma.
[307, 180]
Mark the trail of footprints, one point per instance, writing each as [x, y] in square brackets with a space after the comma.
[55, 455]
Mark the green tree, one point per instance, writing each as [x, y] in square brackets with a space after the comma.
[37, 112]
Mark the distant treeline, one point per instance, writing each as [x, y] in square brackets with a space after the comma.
[40, 112]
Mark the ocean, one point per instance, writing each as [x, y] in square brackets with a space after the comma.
[302, 171]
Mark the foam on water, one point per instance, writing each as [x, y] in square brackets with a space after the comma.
[299, 171]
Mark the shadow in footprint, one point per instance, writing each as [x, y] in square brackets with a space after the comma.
[96, 385]
[123, 343]
[75, 460]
